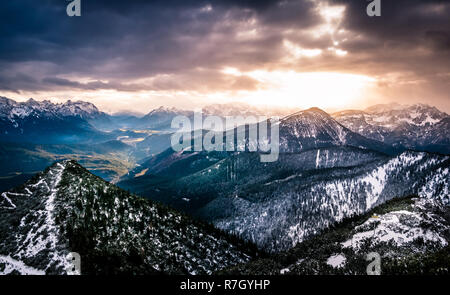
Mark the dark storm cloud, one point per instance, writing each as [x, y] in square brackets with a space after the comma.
[440, 40]
[405, 28]
[17, 82]
[131, 39]
[207, 80]
[40, 30]
[184, 44]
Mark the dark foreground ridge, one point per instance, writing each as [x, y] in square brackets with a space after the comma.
[67, 209]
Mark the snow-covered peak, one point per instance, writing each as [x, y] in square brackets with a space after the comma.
[32, 102]
[390, 116]
[380, 108]
[314, 128]
[6, 101]
[232, 109]
[79, 108]
[165, 110]
[314, 111]
[409, 126]
[13, 110]
[350, 114]
[313, 123]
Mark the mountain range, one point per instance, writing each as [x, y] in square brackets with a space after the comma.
[418, 127]
[46, 122]
[333, 174]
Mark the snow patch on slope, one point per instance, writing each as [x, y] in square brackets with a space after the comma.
[11, 265]
[436, 186]
[336, 260]
[5, 197]
[377, 179]
[399, 227]
[43, 235]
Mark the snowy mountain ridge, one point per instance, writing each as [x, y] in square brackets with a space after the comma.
[66, 209]
[13, 110]
[314, 128]
[409, 126]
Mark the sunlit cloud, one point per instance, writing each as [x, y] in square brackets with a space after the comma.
[299, 52]
[337, 51]
[231, 71]
[331, 13]
[332, 17]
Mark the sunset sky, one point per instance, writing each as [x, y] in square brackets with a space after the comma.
[137, 55]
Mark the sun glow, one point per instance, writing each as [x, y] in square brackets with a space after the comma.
[287, 89]
[292, 89]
